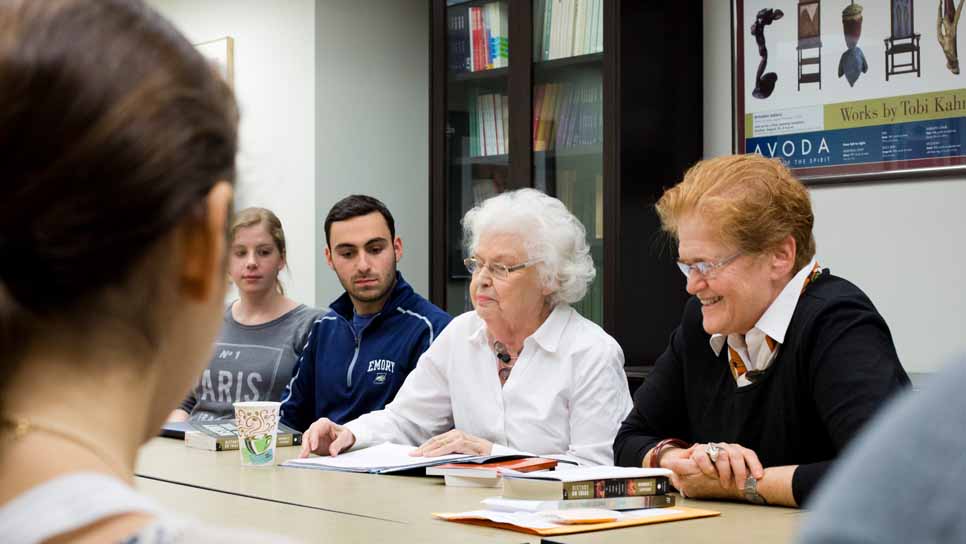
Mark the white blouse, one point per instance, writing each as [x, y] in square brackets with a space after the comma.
[77, 500]
[566, 396]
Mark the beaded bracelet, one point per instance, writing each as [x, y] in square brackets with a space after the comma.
[655, 461]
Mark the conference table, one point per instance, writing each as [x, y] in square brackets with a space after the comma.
[325, 506]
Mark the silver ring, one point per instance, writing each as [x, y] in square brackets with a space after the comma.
[712, 450]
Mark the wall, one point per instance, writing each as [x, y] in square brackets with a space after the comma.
[334, 97]
[372, 120]
[274, 84]
[901, 242]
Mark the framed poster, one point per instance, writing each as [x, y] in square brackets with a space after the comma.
[844, 90]
[221, 54]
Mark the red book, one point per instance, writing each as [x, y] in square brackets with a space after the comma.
[487, 474]
[537, 104]
[479, 40]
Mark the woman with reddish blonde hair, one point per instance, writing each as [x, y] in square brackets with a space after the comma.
[776, 364]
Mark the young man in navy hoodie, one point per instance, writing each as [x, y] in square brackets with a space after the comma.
[358, 354]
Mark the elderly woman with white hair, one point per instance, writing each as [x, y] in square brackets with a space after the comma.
[523, 371]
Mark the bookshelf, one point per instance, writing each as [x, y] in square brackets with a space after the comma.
[597, 102]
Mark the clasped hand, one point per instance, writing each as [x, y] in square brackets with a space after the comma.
[694, 475]
[454, 441]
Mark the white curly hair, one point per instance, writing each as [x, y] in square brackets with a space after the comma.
[549, 232]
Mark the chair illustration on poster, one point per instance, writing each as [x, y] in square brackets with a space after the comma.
[809, 40]
[903, 41]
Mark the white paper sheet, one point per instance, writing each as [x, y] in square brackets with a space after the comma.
[385, 457]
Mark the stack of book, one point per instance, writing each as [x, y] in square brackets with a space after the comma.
[464, 474]
[477, 37]
[610, 488]
[566, 28]
[220, 435]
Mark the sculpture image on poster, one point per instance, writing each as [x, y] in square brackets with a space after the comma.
[852, 64]
[865, 123]
[948, 21]
[764, 83]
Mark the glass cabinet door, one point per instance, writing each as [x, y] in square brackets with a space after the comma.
[568, 117]
[477, 123]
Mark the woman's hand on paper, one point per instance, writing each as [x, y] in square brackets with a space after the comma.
[454, 441]
[326, 438]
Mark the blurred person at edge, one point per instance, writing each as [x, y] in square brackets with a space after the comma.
[117, 147]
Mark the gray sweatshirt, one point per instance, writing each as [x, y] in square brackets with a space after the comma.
[250, 363]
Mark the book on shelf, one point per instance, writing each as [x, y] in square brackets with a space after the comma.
[222, 436]
[599, 206]
[478, 37]
[567, 115]
[472, 104]
[486, 474]
[566, 28]
[458, 57]
[488, 123]
[613, 503]
[546, 117]
[585, 483]
[566, 190]
[482, 190]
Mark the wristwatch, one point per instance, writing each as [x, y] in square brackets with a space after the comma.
[751, 491]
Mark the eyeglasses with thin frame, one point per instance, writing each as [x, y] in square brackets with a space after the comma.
[497, 270]
[707, 269]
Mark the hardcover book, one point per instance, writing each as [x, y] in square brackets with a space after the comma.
[222, 436]
[586, 483]
[614, 503]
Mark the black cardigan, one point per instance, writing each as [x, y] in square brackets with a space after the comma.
[835, 369]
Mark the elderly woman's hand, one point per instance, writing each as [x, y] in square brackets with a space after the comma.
[731, 464]
[454, 441]
[696, 475]
[688, 478]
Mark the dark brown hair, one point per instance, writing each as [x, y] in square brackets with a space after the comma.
[357, 206]
[112, 129]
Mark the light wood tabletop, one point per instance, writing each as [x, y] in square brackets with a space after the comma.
[366, 507]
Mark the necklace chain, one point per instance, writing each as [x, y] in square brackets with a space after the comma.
[21, 426]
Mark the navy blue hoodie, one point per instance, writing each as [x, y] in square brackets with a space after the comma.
[343, 374]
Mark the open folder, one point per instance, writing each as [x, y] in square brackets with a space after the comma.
[386, 458]
[552, 523]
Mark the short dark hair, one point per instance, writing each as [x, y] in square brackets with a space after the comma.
[357, 206]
